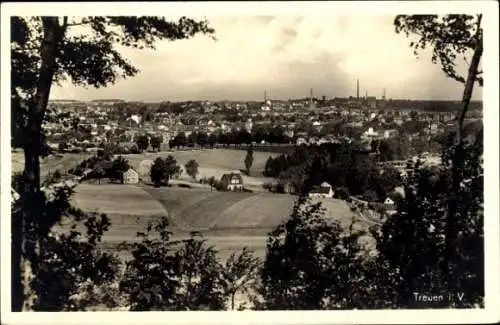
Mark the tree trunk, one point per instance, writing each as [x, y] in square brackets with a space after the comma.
[31, 216]
[469, 85]
[232, 300]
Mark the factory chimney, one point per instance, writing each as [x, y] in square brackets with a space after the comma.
[357, 89]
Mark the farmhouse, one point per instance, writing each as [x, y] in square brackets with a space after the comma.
[324, 190]
[232, 182]
[389, 203]
[130, 177]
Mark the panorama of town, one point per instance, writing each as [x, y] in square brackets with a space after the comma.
[232, 170]
[365, 201]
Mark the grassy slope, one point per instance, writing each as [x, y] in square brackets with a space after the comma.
[52, 163]
[228, 221]
[117, 199]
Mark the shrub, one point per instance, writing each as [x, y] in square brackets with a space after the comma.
[192, 168]
[268, 186]
[172, 275]
[311, 264]
[342, 193]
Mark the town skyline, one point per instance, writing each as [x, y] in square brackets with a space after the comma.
[288, 56]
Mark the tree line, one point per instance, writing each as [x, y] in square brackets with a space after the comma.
[350, 171]
[235, 136]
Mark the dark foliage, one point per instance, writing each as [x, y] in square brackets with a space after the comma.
[311, 264]
[163, 170]
[172, 275]
[192, 168]
[68, 257]
[142, 142]
[156, 142]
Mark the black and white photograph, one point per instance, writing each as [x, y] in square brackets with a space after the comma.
[250, 157]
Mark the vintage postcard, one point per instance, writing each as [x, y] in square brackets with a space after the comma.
[250, 162]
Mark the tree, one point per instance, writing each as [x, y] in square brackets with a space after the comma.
[180, 140]
[164, 169]
[142, 142]
[118, 167]
[43, 51]
[451, 36]
[413, 241]
[211, 182]
[163, 276]
[249, 159]
[75, 121]
[156, 141]
[192, 139]
[192, 168]
[202, 139]
[370, 196]
[212, 140]
[309, 264]
[240, 273]
[63, 251]
[385, 182]
[99, 173]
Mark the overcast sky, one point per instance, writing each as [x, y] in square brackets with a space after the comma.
[285, 55]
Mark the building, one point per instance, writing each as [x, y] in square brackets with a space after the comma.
[370, 134]
[232, 182]
[301, 141]
[389, 203]
[130, 177]
[324, 190]
[390, 133]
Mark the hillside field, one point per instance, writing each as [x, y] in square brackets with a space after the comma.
[61, 162]
[229, 221]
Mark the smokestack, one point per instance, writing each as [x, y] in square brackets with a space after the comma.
[265, 96]
[357, 89]
[383, 97]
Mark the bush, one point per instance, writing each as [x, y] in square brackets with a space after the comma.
[134, 150]
[172, 275]
[218, 186]
[280, 188]
[192, 168]
[342, 193]
[268, 186]
[311, 264]
[67, 260]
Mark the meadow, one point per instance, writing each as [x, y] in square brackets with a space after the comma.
[212, 162]
[61, 162]
[227, 220]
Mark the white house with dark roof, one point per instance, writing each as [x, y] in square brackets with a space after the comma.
[232, 182]
[324, 190]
